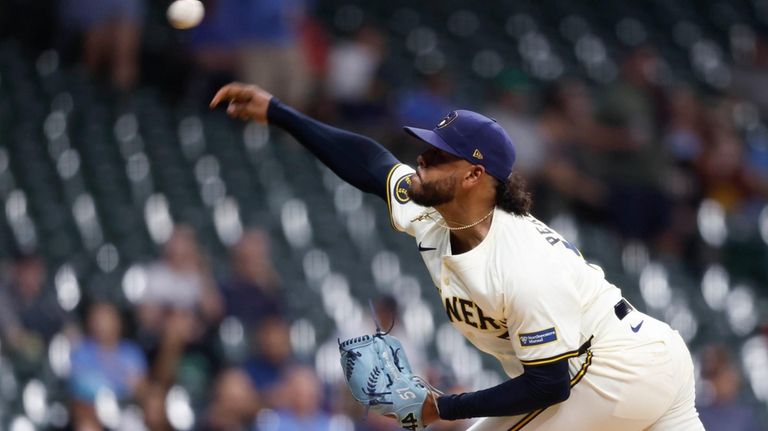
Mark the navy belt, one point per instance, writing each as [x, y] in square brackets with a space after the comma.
[585, 347]
[622, 308]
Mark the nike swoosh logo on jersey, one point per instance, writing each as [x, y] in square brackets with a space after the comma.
[637, 328]
[425, 248]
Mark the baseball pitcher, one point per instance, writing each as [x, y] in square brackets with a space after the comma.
[578, 355]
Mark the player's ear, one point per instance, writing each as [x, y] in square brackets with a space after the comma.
[474, 174]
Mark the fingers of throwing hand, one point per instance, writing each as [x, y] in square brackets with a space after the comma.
[237, 110]
[232, 92]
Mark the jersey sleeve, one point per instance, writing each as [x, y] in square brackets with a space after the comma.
[402, 211]
[543, 317]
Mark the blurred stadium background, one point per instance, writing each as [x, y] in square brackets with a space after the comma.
[164, 267]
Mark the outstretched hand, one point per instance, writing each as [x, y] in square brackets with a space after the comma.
[246, 102]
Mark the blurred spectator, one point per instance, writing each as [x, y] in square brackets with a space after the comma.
[723, 174]
[632, 162]
[684, 142]
[756, 153]
[683, 137]
[635, 100]
[511, 109]
[376, 422]
[253, 291]
[153, 406]
[258, 41]
[181, 278]
[567, 126]
[749, 78]
[427, 104]
[234, 405]
[355, 81]
[110, 32]
[720, 406]
[30, 314]
[180, 304]
[272, 54]
[301, 395]
[104, 361]
[315, 44]
[273, 356]
[353, 64]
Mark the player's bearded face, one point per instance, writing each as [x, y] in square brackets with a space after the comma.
[434, 184]
[432, 193]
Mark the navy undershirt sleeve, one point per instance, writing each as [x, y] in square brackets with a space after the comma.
[538, 387]
[358, 160]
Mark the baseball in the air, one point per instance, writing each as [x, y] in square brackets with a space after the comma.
[184, 14]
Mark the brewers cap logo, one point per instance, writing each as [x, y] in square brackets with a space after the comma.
[448, 119]
[401, 189]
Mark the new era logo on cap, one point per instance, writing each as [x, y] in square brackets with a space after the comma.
[473, 137]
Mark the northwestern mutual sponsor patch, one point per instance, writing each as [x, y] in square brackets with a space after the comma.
[539, 337]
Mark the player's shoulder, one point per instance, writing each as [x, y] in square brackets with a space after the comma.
[524, 245]
[511, 242]
[399, 182]
[402, 211]
[518, 232]
[527, 227]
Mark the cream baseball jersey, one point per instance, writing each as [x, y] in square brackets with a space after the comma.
[524, 294]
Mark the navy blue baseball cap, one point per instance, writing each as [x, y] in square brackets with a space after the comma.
[473, 137]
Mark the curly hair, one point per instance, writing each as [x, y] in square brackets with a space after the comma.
[512, 197]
